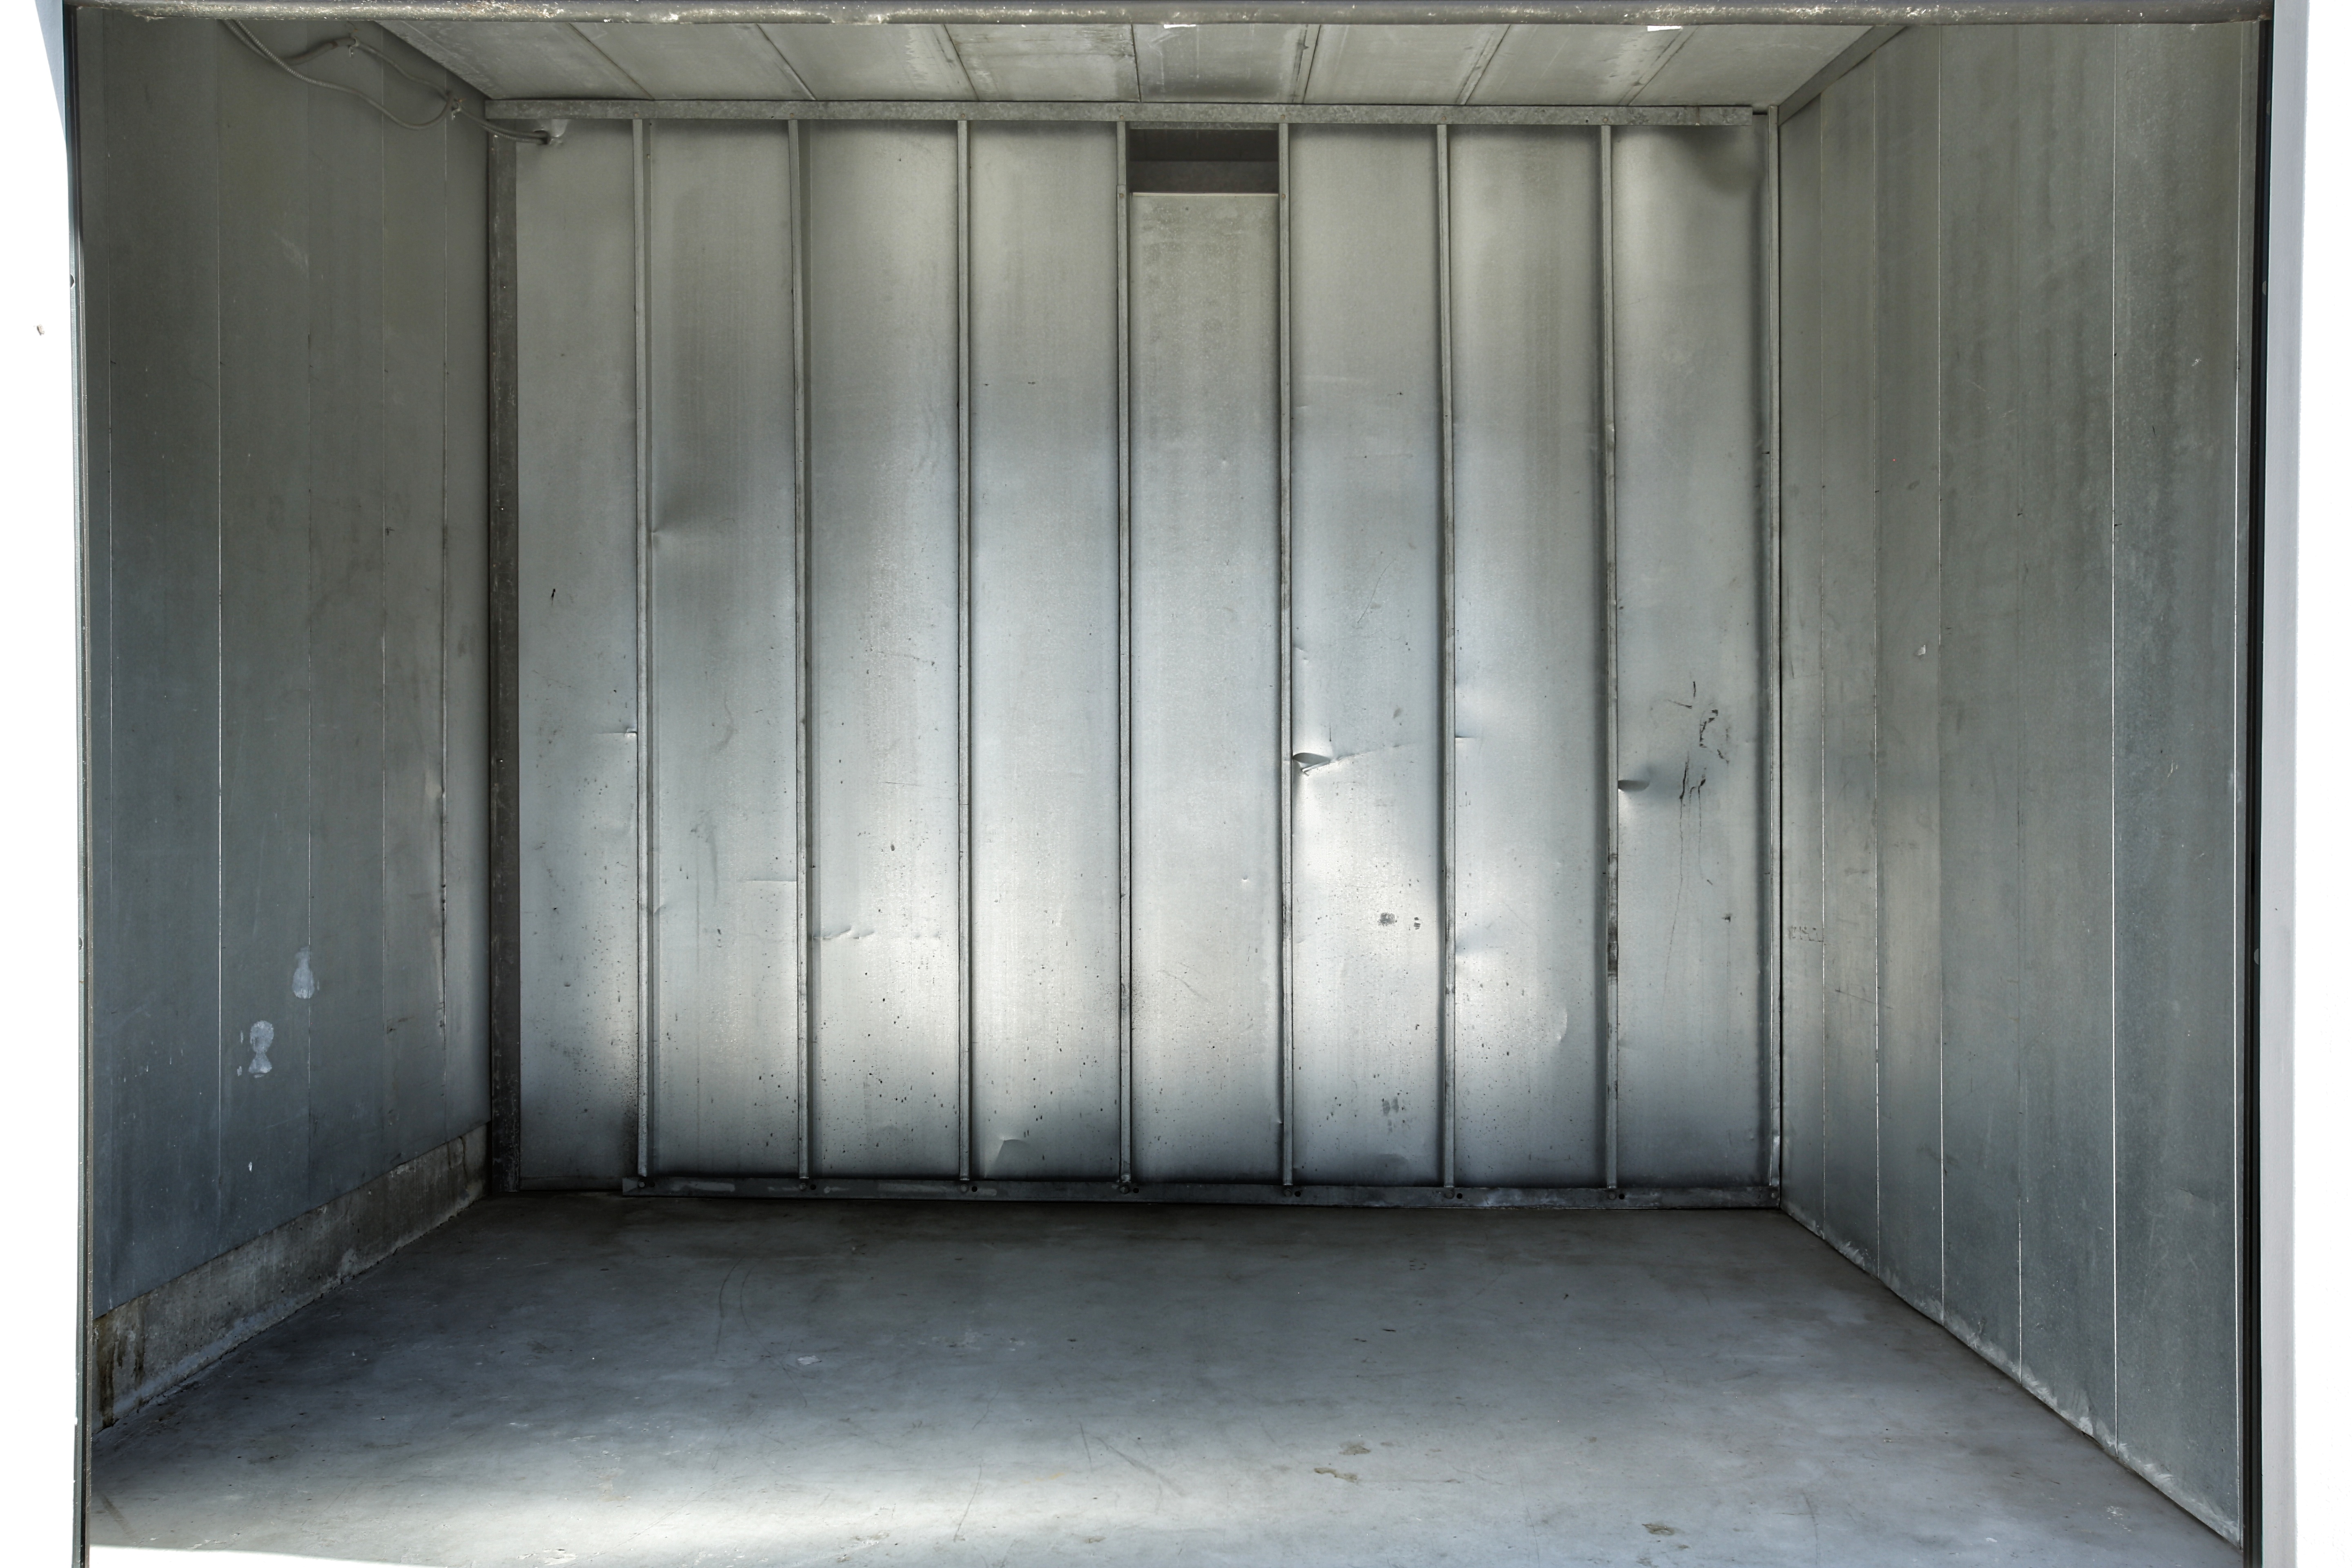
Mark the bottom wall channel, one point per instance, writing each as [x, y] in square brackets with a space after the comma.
[605, 1380]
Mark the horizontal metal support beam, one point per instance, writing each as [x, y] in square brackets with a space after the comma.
[1209, 1192]
[1691, 13]
[1144, 114]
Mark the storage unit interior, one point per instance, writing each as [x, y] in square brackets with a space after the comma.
[1538, 624]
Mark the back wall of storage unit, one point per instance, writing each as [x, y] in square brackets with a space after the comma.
[1023, 680]
[2019, 359]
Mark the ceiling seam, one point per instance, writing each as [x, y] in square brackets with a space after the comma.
[785, 60]
[1486, 54]
[1682, 39]
[573, 28]
[955, 52]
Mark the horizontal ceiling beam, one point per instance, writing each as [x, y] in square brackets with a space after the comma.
[1654, 13]
[543, 109]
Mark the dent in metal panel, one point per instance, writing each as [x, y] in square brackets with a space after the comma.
[1539, 63]
[1693, 1108]
[1220, 63]
[1743, 65]
[688, 61]
[1207, 741]
[885, 62]
[415, 332]
[1077, 64]
[1364, 727]
[265, 668]
[1399, 64]
[1849, 630]
[1530, 755]
[2184, 104]
[1909, 484]
[1981, 742]
[576, 591]
[725, 1091]
[881, 250]
[1044, 643]
[521, 59]
[2064, 212]
[157, 1057]
[1804, 541]
[351, 1135]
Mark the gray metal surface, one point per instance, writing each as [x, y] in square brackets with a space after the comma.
[1243, 63]
[1062, 63]
[1207, 744]
[1044, 651]
[1249, 114]
[729, 60]
[1364, 721]
[1400, 65]
[881, 274]
[912, 62]
[2019, 312]
[1741, 64]
[724, 1085]
[523, 59]
[1690, 702]
[576, 593]
[284, 435]
[1383, 13]
[1531, 785]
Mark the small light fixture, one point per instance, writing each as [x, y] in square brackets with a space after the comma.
[1665, 27]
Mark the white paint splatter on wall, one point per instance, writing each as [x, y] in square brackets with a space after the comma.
[306, 984]
[261, 1036]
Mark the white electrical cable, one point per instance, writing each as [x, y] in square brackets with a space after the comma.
[351, 44]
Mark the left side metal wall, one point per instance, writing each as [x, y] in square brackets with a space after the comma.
[286, 606]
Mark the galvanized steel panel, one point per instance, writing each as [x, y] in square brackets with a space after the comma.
[1908, 487]
[1068, 64]
[685, 60]
[1045, 649]
[1530, 753]
[879, 61]
[576, 593]
[724, 666]
[1399, 64]
[2185, 106]
[1693, 1088]
[1364, 653]
[1742, 64]
[881, 257]
[1539, 63]
[521, 59]
[1222, 63]
[1207, 746]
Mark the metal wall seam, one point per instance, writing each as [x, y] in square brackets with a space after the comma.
[1449, 1100]
[1125, 692]
[1285, 1066]
[805, 907]
[506, 691]
[964, 1022]
[1773, 1022]
[1611, 1043]
[641, 168]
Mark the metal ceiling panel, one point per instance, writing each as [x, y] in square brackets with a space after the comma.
[1573, 65]
[1068, 64]
[724, 61]
[1400, 65]
[887, 62]
[1743, 65]
[522, 59]
[1238, 63]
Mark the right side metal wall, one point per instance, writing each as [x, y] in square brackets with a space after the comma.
[2017, 353]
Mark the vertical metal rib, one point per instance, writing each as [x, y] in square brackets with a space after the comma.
[1613, 1044]
[1774, 1021]
[642, 136]
[1287, 774]
[1446, 1045]
[964, 652]
[1126, 703]
[804, 832]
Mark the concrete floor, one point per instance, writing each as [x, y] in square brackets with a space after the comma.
[577, 1380]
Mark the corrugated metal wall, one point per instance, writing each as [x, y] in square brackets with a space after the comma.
[2018, 342]
[287, 568]
[1044, 681]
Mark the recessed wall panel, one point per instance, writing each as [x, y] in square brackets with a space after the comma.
[881, 260]
[1364, 653]
[1531, 836]
[725, 1086]
[1207, 739]
[1694, 1102]
[1044, 647]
